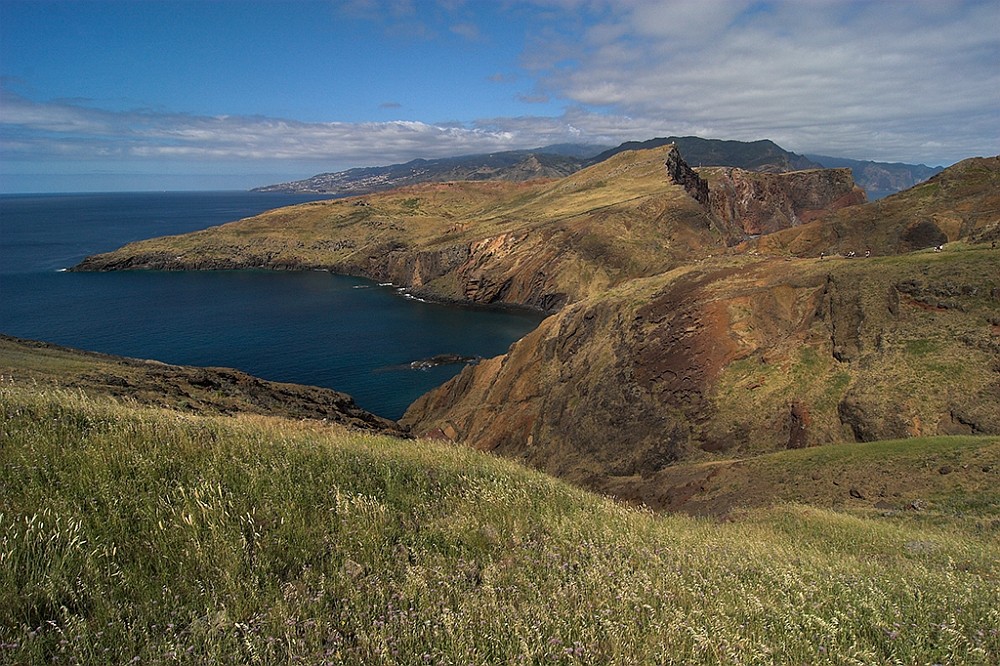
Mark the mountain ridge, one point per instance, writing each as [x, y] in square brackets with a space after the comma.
[553, 161]
[558, 160]
[763, 155]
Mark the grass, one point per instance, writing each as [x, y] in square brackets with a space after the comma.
[894, 473]
[413, 235]
[136, 535]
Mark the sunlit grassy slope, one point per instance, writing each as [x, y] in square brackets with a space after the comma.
[538, 244]
[136, 535]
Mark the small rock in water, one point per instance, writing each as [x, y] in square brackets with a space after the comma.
[442, 359]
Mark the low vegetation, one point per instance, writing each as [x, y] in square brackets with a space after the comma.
[133, 534]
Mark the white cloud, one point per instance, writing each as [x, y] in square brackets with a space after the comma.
[468, 31]
[36, 131]
[880, 80]
[897, 81]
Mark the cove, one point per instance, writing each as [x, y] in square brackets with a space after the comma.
[314, 328]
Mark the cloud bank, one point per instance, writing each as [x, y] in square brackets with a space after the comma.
[913, 81]
[884, 80]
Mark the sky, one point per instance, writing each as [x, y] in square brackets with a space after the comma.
[151, 95]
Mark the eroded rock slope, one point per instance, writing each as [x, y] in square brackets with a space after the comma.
[739, 356]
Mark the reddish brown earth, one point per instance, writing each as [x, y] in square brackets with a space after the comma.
[735, 357]
[749, 203]
[962, 202]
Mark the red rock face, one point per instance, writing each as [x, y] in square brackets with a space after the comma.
[749, 203]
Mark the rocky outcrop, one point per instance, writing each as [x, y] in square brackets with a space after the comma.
[679, 172]
[880, 179]
[733, 357]
[750, 204]
[186, 388]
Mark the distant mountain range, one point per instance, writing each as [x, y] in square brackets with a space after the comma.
[554, 161]
[878, 179]
[765, 156]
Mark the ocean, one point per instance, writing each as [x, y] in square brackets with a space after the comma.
[315, 328]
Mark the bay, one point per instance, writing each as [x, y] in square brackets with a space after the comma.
[315, 328]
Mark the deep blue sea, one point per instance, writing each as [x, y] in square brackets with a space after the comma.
[309, 328]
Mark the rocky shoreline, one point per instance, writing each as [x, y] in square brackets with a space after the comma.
[184, 388]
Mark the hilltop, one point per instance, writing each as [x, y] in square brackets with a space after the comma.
[763, 156]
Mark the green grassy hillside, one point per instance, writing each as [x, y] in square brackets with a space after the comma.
[131, 534]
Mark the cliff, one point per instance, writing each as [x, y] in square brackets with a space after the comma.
[750, 203]
[540, 245]
[880, 179]
[667, 345]
[735, 357]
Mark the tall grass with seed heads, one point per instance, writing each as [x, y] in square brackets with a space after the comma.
[133, 535]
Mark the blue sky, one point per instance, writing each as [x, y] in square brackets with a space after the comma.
[229, 95]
